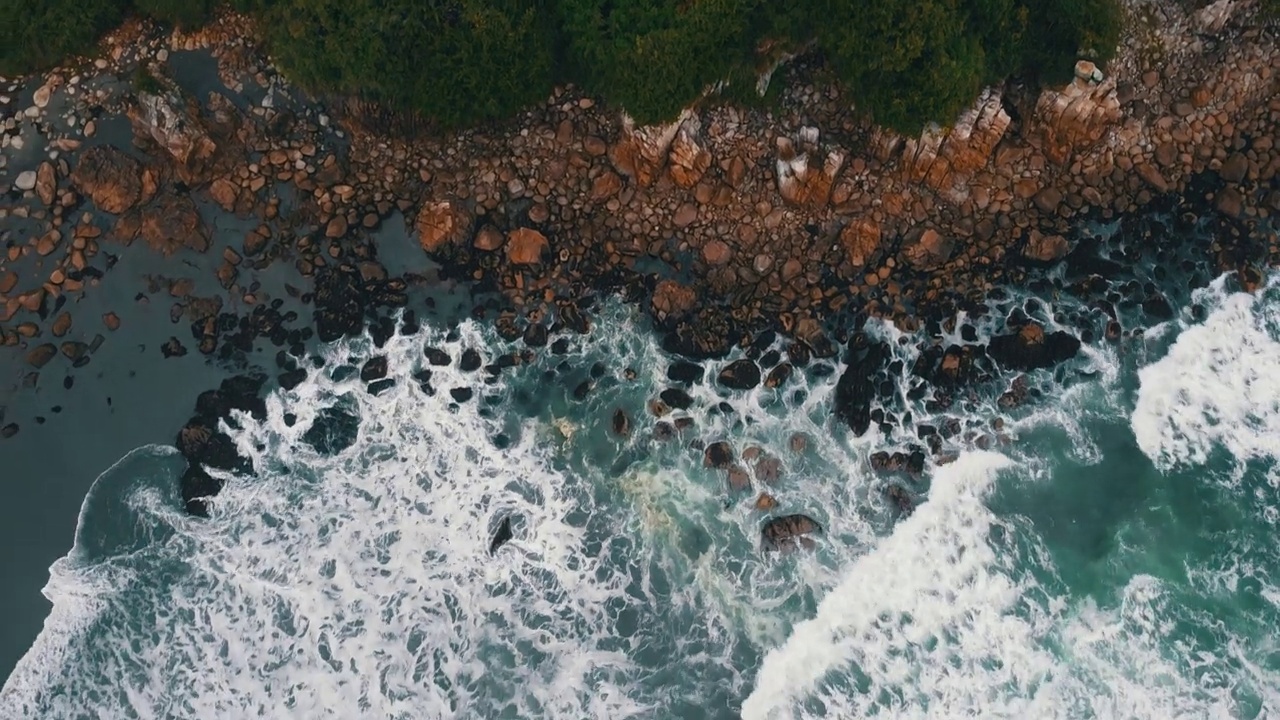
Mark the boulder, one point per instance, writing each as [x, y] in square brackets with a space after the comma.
[525, 246]
[442, 224]
[46, 182]
[375, 368]
[109, 177]
[641, 152]
[685, 372]
[1045, 248]
[1031, 348]
[673, 300]
[929, 250]
[718, 455]
[857, 387]
[807, 173]
[173, 222]
[861, 241]
[741, 374]
[789, 532]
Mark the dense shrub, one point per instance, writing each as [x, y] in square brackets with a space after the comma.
[905, 62]
[456, 61]
[182, 13]
[654, 57]
[38, 33]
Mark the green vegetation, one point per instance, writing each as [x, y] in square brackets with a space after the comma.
[906, 62]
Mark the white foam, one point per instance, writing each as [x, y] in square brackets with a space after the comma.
[926, 618]
[1218, 386]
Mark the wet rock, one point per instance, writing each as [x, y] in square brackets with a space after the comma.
[676, 398]
[470, 361]
[663, 431]
[766, 502]
[461, 394]
[9, 431]
[176, 127]
[789, 532]
[292, 378]
[582, 390]
[109, 177]
[378, 387]
[741, 374]
[718, 455]
[172, 222]
[375, 368]
[46, 185]
[40, 355]
[621, 423]
[911, 463]
[1045, 248]
[928, 250]
[671, 300]
[501, 536]
[768, 469]
[173, 348]
[856, 388]
[738, 479]
[900, 499]
[1030, 348]
[535, 335]
[436, 356]
[778, 375]
[335, 429]
[685, 372]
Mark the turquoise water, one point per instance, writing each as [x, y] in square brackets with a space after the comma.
[1111, 556]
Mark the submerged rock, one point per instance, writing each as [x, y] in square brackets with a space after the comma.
[676, 398]
[375, 368]
[621, 423]
[684, 371]
[335, 429]
[718, 455]
[502, 536]
[788, 532]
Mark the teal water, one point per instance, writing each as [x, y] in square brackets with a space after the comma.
[1111, 556]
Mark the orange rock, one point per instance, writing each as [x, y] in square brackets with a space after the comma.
[688, 160]
[671, 299]
[606, 186]
[441, 223]
[224, 192]
[525, 246]
[861, 239]
[489, 238]
[766, 502]
[716, 252]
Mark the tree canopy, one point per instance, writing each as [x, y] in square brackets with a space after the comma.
[905, 62]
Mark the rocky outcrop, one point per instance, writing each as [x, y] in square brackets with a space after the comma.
[688, 160]
[944, 158]
[175, 126]
[1077, 116]
[858, 387]
[641, 152]
[861, 241]
[109, 177]
[806, 171]
[928, 249]
[525, 246]
[170, 223]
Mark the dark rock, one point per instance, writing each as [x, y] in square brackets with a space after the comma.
[335, 429]
[685, 372]
[789, 532]
[340, 304]
[461, 394]
[424, 381]
[911, 463]
[535, 335]
[1030, 348]
[502, 536]
[375, 368]
[436, 356]
[718, 455]
[382, 330]
[9, 431]
[740, 375]
[778, 375]
[662, 430]
[378, 387]
[856, 389]
[901, 499]
[582, 390]
[40, 355]
[560, 346]
[799, 354]
[676, 398]
[197, 486]
[471, 360]
[292, 379]
[621, 423]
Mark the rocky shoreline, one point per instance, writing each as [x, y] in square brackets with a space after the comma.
[727, 225]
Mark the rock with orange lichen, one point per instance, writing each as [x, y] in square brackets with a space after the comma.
[441, 224]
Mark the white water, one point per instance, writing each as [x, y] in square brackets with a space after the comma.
[1219, 385]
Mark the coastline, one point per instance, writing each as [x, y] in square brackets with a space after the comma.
[690, 220]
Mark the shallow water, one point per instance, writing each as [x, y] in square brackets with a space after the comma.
[1112, 559]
